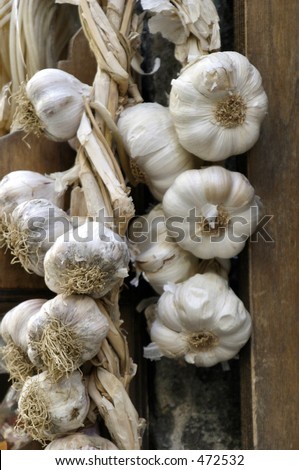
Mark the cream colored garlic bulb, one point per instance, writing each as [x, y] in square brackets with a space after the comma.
[20, 186]
[201, 320]
[13, 331]
[80, 441]
[47, 410]
[216, 210]
[88, 260]
[65, 333]
[31, 230]
[156, 255]
[217, 104]
[51, 103]
[151, 142]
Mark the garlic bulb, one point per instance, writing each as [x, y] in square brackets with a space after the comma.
[51, 103]
[200, 320]
[80, 441]
[215, 209]
[151, 142]
[20, 186]
[65, 333]
[88, 260]
[191, 25]
[31, 230]
[217, 105]
[156, 255]
[13, 330]
[47, 410]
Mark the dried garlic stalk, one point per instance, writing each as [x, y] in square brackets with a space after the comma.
[192, 25]
[116, 408]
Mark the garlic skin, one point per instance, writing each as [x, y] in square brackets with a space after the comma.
[191, 25]
[218, 104]
[200, 320]
[13, 331]
[90, 259]
[20, 186]
[52, 102]
[150, 140]
[31, 230]
[217, 209]
[47, 410]
[158, 257]
[65, 333]
[80, 441]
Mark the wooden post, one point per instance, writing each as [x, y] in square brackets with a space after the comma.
[266, 32]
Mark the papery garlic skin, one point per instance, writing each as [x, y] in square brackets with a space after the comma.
[53, 100]
[66, 332]
[218, 104]
[15, 321]
[89, 260]
[80, 441]
[191, 25]
[201, 320]
[48, 410]
[158, 257]
[31, 230]
[13, 331]
[20, 186]
[152, 144]
[216, 209]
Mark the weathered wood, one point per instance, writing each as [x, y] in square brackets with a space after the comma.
[266, 31]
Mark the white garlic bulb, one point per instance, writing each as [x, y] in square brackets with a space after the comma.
[20, 186]
[156, 255]
[80, 441]
[13, 331]
[90, 259]
[52, 102]
[65, 333]
[201, 320]
[215, 209]
[31, 230]
[217, 104]
[152, 144]
[47, 410]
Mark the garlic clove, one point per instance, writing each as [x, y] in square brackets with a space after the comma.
[65, 333]
[31, 230]
[88, 260]
[47, 410]
[51, 103]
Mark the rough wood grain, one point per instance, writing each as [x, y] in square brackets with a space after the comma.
[267, 33]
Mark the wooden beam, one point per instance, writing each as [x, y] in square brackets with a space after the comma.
[266, 32]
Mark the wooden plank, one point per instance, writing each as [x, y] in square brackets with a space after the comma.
[266, 31]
